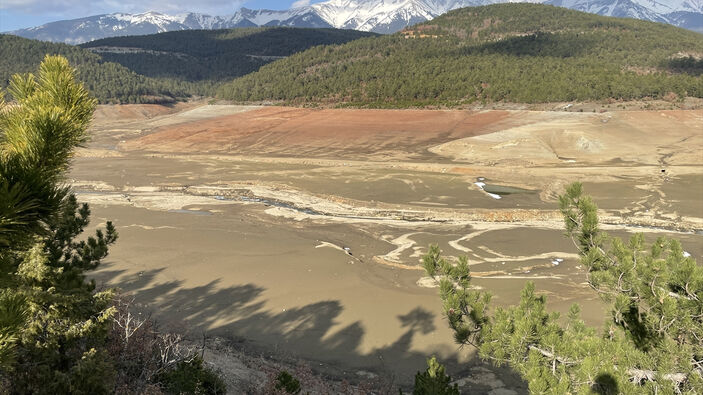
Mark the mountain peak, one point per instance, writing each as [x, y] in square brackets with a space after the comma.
[381, 16]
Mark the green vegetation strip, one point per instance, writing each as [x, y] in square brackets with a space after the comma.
[509, 52]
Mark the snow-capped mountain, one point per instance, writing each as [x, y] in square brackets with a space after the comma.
[296, 17]
[382, 16]
[683, 13]
[621, 9]
[80, 30]
[76, 31]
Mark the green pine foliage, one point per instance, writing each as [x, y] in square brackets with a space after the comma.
[58, 335]
[434, 381]
[287, 383]
[108, 82]
[652, 342]
[52, 322]
[213, 55]
[505, 52]
[191, 377]
[165, 67]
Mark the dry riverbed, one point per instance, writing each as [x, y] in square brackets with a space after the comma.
[300, 232]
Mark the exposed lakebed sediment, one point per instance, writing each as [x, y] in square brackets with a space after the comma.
[297, 204]
[302, 230]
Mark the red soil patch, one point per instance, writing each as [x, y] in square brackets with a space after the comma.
[296, 131]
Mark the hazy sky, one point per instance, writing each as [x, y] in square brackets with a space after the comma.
[17, 14]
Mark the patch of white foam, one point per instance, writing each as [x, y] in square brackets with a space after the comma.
[455, 243]
[511, 277]
[92, 185]
[545, 255]
[143, 189]
[345, 250]
[417, 252]
[430, 282]
[402, 243]
[165, 201]
[427, 282]
[148, 227]
[330, 245]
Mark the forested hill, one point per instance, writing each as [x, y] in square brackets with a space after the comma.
[167, 66]
[507, 52]
[213, 55]
[108, 82]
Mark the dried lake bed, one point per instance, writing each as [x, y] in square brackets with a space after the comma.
[300, 231]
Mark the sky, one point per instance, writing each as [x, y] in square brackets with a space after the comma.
[18, 14]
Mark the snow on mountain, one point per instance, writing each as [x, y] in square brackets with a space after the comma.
[382, 16]
[669, 6]
[151, 17]
[621, 8]
[264, 17]
[683, 13]
[81, 30]
[202, 21]
[296, 17]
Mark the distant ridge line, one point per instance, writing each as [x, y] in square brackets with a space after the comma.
[367, 15]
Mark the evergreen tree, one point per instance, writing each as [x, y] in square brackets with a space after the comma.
[57, 334]
[52, 323]
[652, 342]
[434, 381]
[524, 53]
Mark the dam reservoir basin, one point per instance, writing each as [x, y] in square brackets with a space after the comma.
[301, 231]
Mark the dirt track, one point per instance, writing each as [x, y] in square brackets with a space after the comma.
[234, 220]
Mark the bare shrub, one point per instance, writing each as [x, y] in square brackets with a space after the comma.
[140, 351]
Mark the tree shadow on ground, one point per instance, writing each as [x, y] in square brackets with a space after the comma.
[311, 331]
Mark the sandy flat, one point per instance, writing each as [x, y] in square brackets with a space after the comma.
[301, 230]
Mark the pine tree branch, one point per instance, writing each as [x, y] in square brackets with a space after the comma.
[698, 367]
[554, 357]
[639, 375]
[689, 293]
[678, 296]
